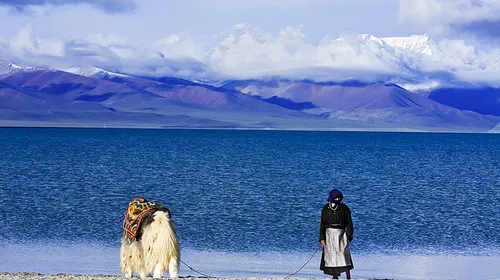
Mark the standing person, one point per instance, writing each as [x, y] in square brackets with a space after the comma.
[336, 232]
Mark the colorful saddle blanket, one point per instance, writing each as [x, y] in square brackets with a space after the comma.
[137, 210]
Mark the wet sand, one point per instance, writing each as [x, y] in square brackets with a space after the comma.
[63, 276]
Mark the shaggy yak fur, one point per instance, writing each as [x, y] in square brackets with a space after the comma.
[154, 250]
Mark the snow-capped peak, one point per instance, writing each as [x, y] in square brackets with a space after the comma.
[7, 67]
[368, 37]
[93, 72]
[417, 43]
[421, 44]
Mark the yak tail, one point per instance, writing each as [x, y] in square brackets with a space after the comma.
[161, 246]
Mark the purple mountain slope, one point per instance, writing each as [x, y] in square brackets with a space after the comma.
[377, 102]
[496, 129]
[20, 108]
[485, 100]
[40, 91]
[17, 98]
[201, 96]
[30, 96]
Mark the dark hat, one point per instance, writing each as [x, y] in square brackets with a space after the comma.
[334, 194]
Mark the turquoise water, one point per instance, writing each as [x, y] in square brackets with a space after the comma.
[254, 191]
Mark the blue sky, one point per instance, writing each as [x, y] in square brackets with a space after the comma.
[254, 38]
[152, 20]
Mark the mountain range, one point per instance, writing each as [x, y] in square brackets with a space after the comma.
[95, 97]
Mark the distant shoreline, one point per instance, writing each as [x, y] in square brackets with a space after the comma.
[337, 129]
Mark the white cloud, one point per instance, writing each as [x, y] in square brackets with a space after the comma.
[472, 17]
[108, 40]
[26, 43]
[119, 45]
[416, 61]
[249, 54]
[178, 46]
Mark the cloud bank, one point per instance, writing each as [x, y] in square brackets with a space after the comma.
[472, 17]
[416, 62]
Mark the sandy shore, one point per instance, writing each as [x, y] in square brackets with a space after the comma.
[39, 276]
[64, 276]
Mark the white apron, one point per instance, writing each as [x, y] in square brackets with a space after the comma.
[336, 249]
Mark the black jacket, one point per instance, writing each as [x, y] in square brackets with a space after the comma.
[338, 218]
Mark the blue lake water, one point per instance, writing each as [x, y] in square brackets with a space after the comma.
[256, 193]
